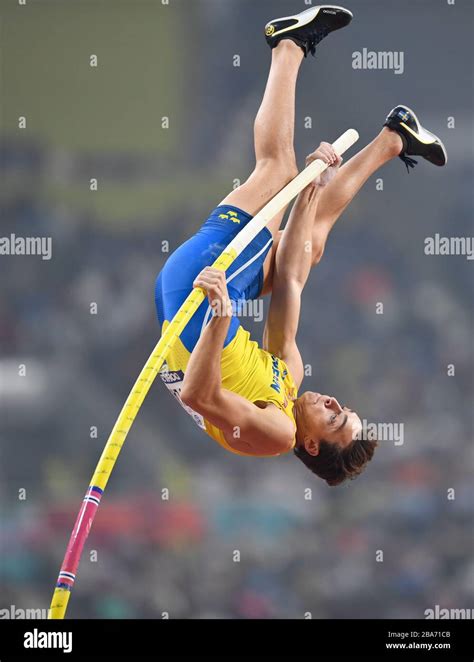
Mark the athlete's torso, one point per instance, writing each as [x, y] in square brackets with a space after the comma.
[246, 369]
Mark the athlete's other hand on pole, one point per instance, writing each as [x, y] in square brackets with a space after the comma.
[213, 282]
[326, 153]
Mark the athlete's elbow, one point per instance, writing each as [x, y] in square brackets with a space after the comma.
[190, 397]
[197, 399]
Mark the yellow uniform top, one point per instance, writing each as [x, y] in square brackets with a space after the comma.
[246, 369]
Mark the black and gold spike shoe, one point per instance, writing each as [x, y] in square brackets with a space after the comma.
[309, 27]
[417, 141]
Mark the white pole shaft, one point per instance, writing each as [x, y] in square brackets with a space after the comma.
[286, 195]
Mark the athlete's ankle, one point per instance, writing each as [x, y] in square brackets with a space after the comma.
[290, 47]
[391, 141]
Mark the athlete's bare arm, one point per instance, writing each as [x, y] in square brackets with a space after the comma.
[293, 262]
[246, 427]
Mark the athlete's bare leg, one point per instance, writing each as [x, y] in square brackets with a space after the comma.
[340, 192]
[274, 136]
[350, 179]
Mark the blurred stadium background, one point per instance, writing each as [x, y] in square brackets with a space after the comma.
[156, 185]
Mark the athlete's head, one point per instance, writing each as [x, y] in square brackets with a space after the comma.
[329, 439]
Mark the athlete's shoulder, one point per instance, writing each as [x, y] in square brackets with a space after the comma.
[293, 368]
[272, 433]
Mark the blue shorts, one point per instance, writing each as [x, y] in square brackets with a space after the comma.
[244, 276]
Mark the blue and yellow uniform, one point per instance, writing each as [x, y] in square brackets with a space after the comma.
[246, 368]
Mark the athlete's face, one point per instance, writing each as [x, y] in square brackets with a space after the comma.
[323, 418]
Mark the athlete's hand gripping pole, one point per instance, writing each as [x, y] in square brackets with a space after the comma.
[141, 387]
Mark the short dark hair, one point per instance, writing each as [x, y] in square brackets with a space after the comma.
[335, 464]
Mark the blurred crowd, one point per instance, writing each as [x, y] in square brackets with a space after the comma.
[185, 529]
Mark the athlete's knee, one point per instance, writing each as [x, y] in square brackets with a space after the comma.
[317, 252]
[278, 171]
